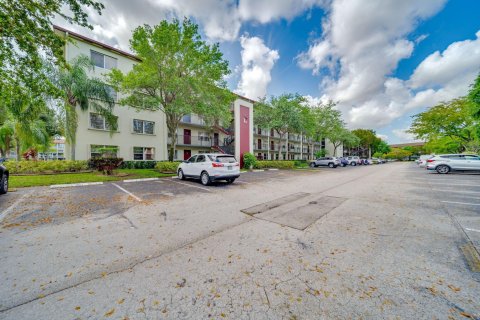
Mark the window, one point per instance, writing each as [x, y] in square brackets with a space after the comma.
[201, 158]
[112, 93]
[187, 118]
[203, 136]
[472, 157]
[97, 151]
[143, 153]
[97, 121]
[143, 126]
[103, 61]
[192, 159]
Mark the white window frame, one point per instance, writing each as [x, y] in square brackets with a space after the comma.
[143, 127]
[103, 146]
[104, 63]
[144, 154]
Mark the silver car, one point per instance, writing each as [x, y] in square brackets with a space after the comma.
[331, 162]
[445, 163]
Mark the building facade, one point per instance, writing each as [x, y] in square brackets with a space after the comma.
[267, 143]
[142, 134]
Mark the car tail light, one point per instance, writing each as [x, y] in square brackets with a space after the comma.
[217, 165]
[430, 160]
[236, 164]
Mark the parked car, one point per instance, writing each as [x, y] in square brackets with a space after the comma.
[343, 161]
[445, 163]
[209, 167]
[3, 179]
[422, 161]
[353, 160]
[331, 162]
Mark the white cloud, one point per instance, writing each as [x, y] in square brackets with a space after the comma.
[384, 137]
[265, 11]
[257, 63]
[359, 54]
[404, 136]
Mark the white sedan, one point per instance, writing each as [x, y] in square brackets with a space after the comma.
[209, 167]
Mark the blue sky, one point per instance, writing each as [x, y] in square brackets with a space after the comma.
[381, 60]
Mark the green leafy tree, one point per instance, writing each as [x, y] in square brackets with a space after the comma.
[283, 114]
[23, 126]
[449, 119]
[80, 92]
[398, 154]
[382, 147]
[474, 98]
[27, 38]
[179, 74]
[368, 139]
[341, 135]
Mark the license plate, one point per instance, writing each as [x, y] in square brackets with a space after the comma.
[229, 167]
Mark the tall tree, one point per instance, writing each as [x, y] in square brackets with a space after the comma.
[27, 37]
[474, 98]
[340, 135]
[24, 126]
[179, 74]
[448, 119]
[80, 91]
[282, 114]
[368, 139]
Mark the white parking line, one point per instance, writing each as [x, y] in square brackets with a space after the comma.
[128, 192]
[446, 184]
[466, 203]
[475, 230]
[16, 203]
[83, 184]
[140, 180]
[452, 191]
[242, 182]
[190, 185]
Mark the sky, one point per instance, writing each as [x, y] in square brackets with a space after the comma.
[381, 61]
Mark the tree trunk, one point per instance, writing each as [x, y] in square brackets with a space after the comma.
[287, 146]
[71, 127]
[172, 125]
[280, 141]
[72, 150]
[17, 148]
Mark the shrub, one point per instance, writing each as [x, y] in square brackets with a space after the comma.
[301, 163]
[138, 164]
[249, 160]
[105, 165]
[167, 166]
[54, 166]
[278, 164]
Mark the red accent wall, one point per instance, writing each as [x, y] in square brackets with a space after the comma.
[244, 131]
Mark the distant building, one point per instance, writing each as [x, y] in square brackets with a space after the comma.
[408, 144]
[56, 151]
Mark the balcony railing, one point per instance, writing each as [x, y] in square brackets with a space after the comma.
[184, 140]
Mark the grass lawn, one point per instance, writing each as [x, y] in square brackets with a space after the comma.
[46, 180]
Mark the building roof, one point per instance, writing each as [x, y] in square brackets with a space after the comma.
[96, 43]
[120, 52]
[409, 144]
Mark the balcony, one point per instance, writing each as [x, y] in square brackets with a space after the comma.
[263, 146]
[192, 141]
[192, 121]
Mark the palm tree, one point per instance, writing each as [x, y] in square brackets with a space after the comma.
[23, 125]
[80, 90]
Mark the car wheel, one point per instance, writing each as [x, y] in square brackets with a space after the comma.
[353, 163]
[443, 169]
[4, 185]
[312, 165]
[205, 178]
[331, 165]
[230, 181]
[181, 176]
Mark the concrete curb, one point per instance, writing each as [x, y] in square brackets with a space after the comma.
[75, 185]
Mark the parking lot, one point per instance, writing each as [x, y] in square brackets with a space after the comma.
[382, 241]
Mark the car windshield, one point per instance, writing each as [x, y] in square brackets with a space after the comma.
[224, 159]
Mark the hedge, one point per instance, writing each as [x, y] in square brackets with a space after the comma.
[54, 166]
[278, 164]
[167, 166]
[138, 164]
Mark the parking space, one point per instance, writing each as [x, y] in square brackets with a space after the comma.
[34, 207]
[457, 192]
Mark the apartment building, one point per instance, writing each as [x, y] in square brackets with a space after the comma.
[142, 134]
[55, 152]
[267, 143]
[194, 136]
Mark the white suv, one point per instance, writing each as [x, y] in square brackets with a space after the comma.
[209, 167]
[445, 163]
[353, 160]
